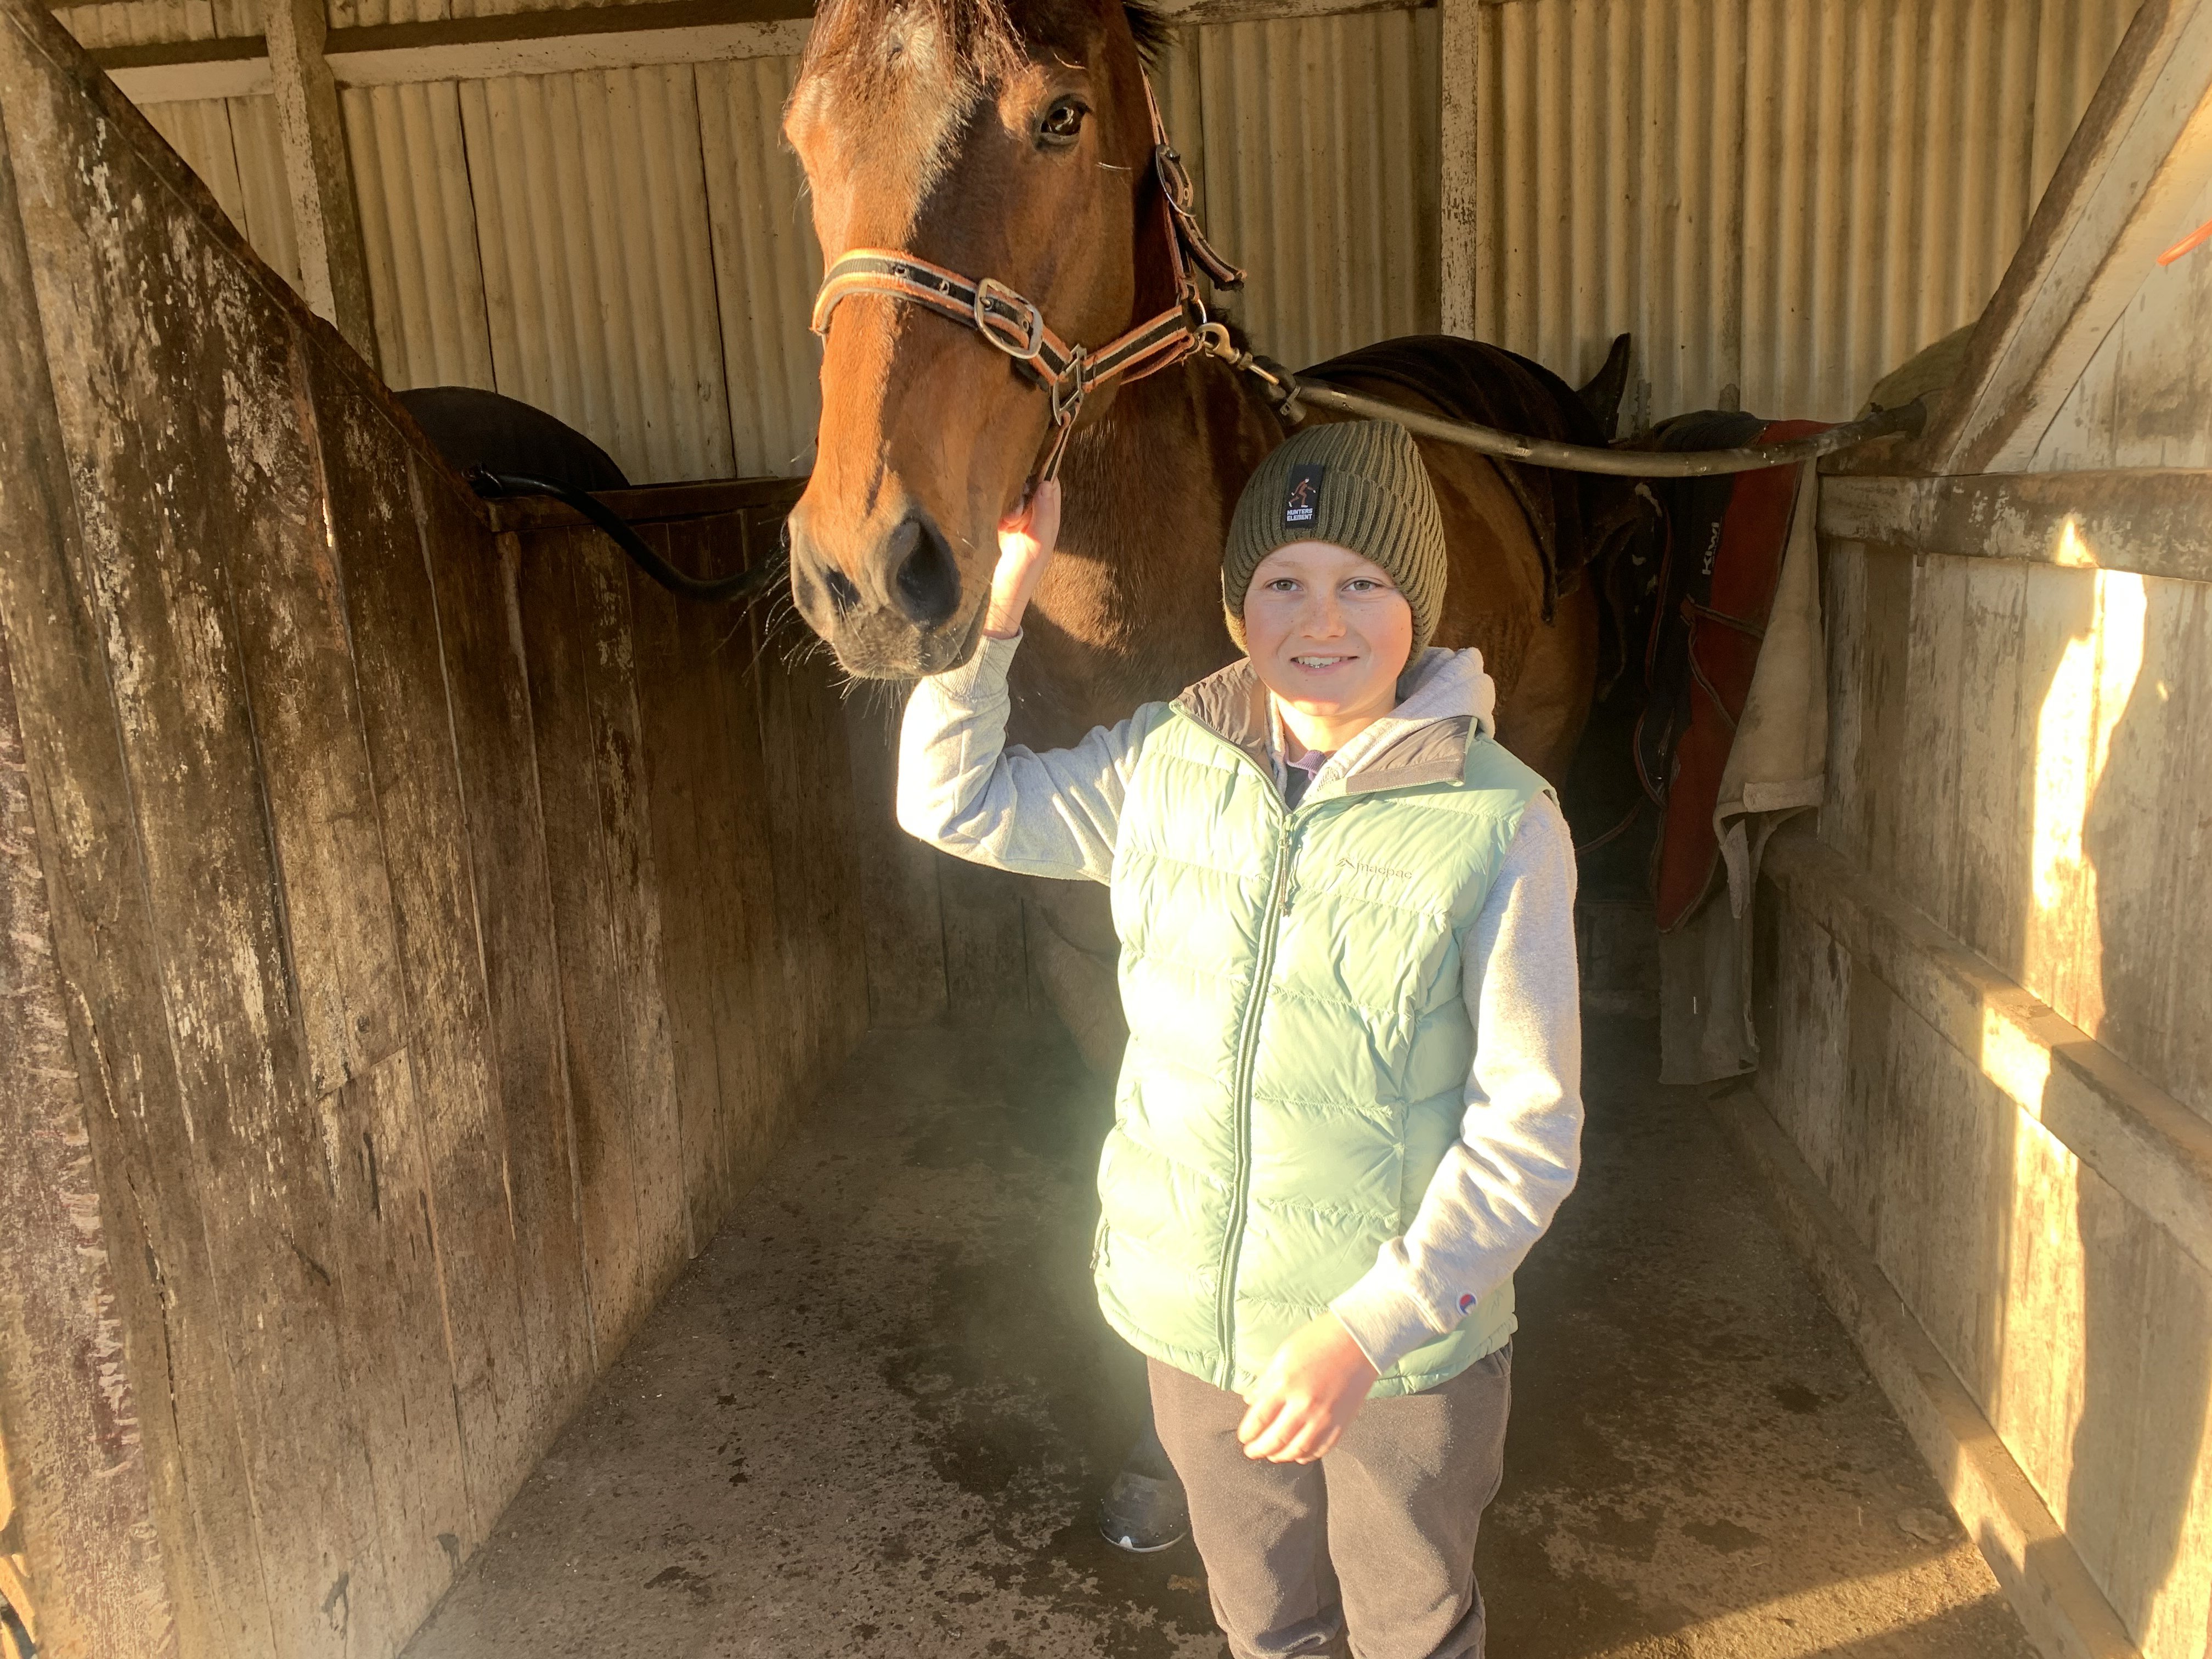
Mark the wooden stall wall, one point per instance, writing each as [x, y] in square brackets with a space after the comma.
[417, 931]
[1988, 1109]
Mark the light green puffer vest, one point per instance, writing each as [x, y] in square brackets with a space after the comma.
[1298, 1041]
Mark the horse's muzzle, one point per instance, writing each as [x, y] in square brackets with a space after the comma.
[894, 613]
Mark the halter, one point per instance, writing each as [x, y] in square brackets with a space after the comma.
[1016, 326]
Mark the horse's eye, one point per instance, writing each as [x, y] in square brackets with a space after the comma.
[1062, 122]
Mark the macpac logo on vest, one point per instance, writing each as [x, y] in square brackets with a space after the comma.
[1303, 504]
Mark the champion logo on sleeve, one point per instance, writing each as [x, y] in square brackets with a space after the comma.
[1466, 1303]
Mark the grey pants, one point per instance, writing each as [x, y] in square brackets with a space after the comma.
[1378, 1536]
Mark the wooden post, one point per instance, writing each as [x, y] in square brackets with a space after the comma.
[325, 215]
[1459, 66]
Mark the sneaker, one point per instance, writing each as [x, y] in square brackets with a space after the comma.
[1142, 1515]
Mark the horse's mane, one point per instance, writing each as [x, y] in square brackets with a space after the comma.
[984, 37]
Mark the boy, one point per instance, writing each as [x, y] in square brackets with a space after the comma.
[1350, 1100]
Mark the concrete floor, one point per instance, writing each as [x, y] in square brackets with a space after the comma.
[873, 1418]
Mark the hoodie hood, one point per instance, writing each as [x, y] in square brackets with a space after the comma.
[1446, 702]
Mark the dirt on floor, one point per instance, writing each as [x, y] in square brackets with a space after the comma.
[873, 1418]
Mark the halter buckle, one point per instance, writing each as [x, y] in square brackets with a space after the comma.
[1020, 336]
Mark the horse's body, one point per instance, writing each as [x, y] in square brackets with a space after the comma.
[931, 127]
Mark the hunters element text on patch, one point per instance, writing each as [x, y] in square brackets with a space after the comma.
[1302, 503]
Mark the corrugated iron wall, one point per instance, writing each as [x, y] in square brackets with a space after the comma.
[1314, 145]
[1785, 198]
[1782, 201]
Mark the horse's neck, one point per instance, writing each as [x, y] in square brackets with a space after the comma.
[1131, 610]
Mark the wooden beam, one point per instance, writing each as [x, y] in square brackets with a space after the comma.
[318, 173]
[2154, 523]
[2123, 191]
[1459, 67]
[553, 42]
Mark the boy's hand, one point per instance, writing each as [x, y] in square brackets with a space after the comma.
[1308, 1394]
[1025, 544]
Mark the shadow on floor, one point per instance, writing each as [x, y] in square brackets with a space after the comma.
[874, 1416]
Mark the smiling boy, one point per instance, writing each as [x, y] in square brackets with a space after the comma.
[1350, 1100]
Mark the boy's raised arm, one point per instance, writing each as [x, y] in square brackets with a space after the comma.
[962, 789]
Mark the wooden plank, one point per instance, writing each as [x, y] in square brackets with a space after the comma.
[2121, 193]
[460, 1132]
[103, 933]
[402, 1339]
[2154, 523]
[597, 1036]
[809, 783]
[898, 875]
[397, 1362]
[147, 311]
[1459, 58]
[2058, 741]
[1884, 707]
[637, 901]
[318, 175]
[1925, 767]
[1994, 812]
[77, 1500]
[754, 965]
[1842, 817]
[480, 634]
[759, 965]
[2188, 988]
[299, 670]
[679, 723]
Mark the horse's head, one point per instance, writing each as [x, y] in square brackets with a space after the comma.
[1012, 145]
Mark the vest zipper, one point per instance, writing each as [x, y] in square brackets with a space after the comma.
[1248, 1048]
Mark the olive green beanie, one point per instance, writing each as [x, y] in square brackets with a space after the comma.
[1358, 483]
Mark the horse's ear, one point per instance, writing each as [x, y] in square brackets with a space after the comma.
[1153, 34]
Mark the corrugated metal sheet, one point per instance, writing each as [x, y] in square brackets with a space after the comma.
[1782, 201]
[418, 228]
[598, 273]
[767, 263]
[1314, 145]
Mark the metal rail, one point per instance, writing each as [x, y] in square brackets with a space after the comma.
[1620, 463]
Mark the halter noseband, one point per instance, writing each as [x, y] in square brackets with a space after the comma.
[1016, 326]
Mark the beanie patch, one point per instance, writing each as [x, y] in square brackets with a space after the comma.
[1302, 502]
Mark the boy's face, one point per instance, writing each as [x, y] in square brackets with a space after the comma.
[1329, 632]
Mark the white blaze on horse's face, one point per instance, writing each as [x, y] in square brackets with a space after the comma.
[1008, 161]
[1329, 633]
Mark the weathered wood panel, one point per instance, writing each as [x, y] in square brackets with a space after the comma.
[357, 873]
[1989, 1005]
[594, 1037]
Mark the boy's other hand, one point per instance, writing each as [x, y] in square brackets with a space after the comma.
[1308, 1394]
[1025, 544]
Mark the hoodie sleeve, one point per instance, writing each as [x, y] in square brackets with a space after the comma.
[1519, 1145]
[962, 789]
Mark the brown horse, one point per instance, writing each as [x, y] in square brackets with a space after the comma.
[1018, 145]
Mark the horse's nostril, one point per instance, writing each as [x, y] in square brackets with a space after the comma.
[842, 594]
[927, 584]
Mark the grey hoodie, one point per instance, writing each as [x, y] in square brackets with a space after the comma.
[961, 788]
